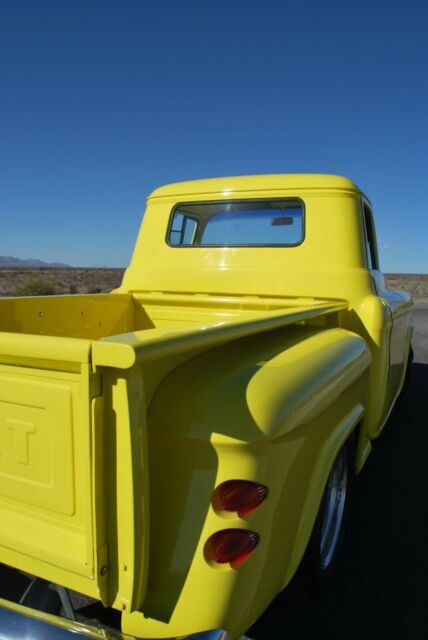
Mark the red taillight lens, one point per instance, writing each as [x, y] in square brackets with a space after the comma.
[233, 546]
[242, 496]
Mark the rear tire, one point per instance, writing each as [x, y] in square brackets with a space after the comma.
[323, 552]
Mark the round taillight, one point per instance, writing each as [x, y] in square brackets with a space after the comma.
[242, 496]
[233, 546]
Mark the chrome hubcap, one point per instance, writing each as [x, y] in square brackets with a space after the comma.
[335, 499]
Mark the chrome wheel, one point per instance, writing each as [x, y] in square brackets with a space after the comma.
[334, 509]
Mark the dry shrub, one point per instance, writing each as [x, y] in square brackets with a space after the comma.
[36, 285]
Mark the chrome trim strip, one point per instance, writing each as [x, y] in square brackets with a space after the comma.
[214, 634]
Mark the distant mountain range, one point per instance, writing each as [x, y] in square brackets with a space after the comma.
[8, 262]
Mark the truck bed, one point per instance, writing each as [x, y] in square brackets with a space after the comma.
[28, 326]
[73, 413]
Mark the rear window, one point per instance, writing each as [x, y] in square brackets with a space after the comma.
[256, 223]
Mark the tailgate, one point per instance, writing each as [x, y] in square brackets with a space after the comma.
[72, 477]
[46, 493]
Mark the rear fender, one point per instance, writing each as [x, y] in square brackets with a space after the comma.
[274, 408]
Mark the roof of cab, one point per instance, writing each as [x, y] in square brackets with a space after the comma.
[229, 185]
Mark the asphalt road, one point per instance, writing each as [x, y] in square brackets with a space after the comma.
[381, 589]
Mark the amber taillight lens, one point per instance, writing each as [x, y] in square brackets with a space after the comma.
[233, 546]
[242, 496]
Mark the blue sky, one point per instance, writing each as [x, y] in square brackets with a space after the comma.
[101, 102]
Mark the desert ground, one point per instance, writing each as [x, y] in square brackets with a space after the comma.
[40, 282]
[30, 282]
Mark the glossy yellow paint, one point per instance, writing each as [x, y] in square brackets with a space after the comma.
[121, 413]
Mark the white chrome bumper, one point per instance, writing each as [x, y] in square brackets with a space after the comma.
[22, 623]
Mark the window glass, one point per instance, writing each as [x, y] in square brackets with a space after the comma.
[372, 261]
[182, 230]
[249, 223]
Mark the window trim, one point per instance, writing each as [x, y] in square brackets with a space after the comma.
[237, 246]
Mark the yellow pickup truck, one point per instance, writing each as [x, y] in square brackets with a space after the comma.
[175, 453]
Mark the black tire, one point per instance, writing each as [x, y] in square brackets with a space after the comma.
[323, 552]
